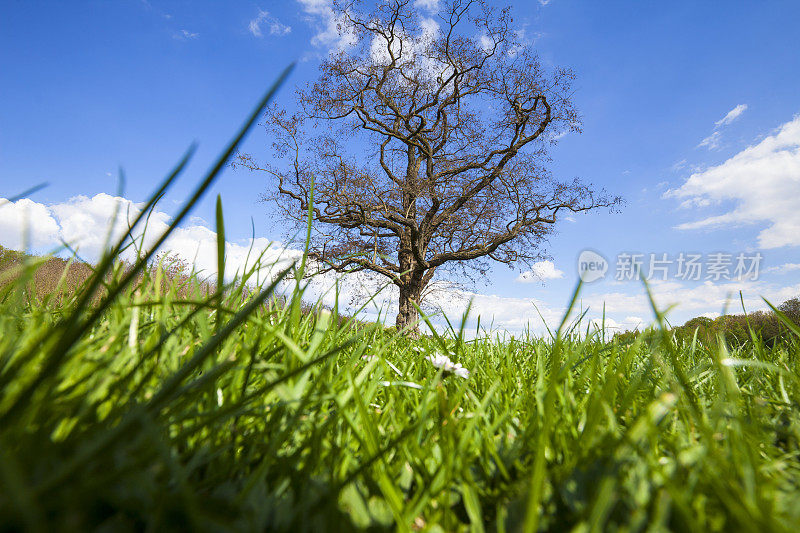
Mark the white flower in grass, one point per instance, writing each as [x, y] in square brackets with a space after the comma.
[448, 366]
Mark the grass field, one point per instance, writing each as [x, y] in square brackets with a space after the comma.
[175, 409]
[138, 401]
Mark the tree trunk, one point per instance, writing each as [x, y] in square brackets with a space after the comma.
[411, 275]
[410, 287]
[410, 292]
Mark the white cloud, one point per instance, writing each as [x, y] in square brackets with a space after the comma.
[276, 27]
[697, 299]
[623, 311]
[25, 223]
[764, 182]
[612, 326]
[186, 35]
[524, 40]
[487, 44]
[84, 224]
[732, 115]
[332, 33]
[499, 312]
[711, 142]
[540, 271]
[430, 5]
[783, 269]
[412, 48]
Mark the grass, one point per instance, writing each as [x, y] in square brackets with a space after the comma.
[171, 405]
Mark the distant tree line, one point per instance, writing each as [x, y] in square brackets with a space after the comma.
[735, 330]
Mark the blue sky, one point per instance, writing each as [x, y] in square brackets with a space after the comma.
[689, 112]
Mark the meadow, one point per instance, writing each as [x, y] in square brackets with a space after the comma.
[144, 401]
[178, 409]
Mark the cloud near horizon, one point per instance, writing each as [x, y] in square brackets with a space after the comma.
[88, 224]
[85, 222]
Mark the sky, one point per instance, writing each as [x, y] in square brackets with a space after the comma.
[690, 112]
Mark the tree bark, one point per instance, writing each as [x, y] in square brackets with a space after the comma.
[412, 274]
[410, 293]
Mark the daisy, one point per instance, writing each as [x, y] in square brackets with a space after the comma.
[448, 366]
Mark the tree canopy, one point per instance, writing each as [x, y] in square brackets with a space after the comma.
[425, 138]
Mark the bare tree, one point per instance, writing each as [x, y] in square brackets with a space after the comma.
[426, 145]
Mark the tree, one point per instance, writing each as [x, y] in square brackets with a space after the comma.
[426, 142]
[791, 308]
